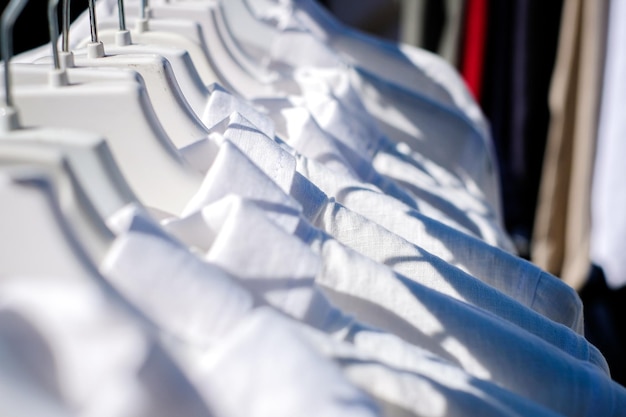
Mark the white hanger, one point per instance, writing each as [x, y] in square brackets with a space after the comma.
[246, 28]
[189, 39]
[237, 72]
[76, 164]
[122, 112]
[179, 120]
[89, 157]
[31, 218]
[234, 70]
[26, 73]
[192, 75]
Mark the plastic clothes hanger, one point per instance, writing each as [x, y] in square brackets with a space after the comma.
[233, 69]
[27, 221]
[28, 73]
[48, 211]
[254, 37]
[122, 112]
[188, 77]
[86, 152]
[89, 157]
[188, 39]
[179, 120]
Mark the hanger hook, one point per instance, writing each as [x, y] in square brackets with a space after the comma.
[95, 49]
[122, 37]
[121, 14]
[92, 21]
[65, 9]
[7, 21]
[53, 25]
[141, 24]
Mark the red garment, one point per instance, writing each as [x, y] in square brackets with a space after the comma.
[475, 37]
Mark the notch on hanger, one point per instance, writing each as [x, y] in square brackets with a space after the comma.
[121, 112]
[179, 120]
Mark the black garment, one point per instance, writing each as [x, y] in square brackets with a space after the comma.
[496, 97]
[522, 40]
[433, 24]
[544, 19]
[605, 326]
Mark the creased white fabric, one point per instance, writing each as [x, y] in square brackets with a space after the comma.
[450, 329]
[272, 371]
[75, 347]
[513, 276]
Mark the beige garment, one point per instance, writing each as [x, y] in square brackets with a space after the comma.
[412, 22]
[561, 234]
[451, 37]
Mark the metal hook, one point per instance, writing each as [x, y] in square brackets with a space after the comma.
[95, 49]
[122, 37]
[7, 21]
[121, 14]
[92, 21]
[65, 6]
[53, 25]
[57, 77]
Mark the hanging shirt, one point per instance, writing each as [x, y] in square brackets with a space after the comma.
[400, 170]
[177, 301]
[438, 323]
[416, 69]
[306, 136]
[455, 248]
[430, 388]
[360, 140]
[347, 104]
[517, 279]
[74, 346]
[179, 290]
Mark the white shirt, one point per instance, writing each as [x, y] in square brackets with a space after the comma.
[404, 177]
[77, 347]
[431, 388]
[259, 371]
[498, 268]
[178, 300]
[309, 139]
[404, 114]
[293, 23]
[608, 201]
[506, 273]
[449, 329]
